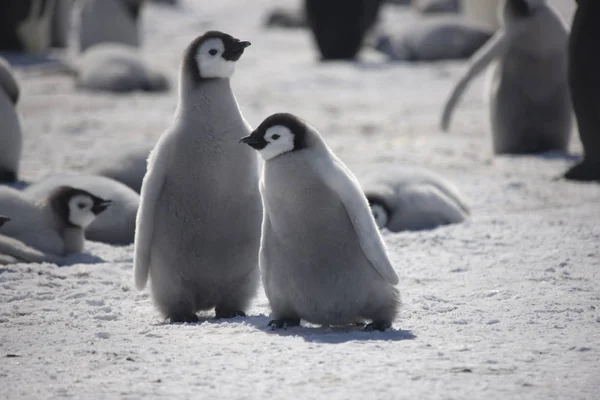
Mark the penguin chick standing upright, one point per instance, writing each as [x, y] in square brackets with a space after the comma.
[198, 225]
[322, 258]
[10, 128]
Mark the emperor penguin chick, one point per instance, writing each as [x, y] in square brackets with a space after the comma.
[198, 224]
[322, 258]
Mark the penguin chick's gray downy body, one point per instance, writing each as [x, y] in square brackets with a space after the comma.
[433, 39]
[530, 108]
[54, 224]
[10, 128]
[412, 199]
[115, 67]
[322, 258]
[116, 225]
[584, 82]
[115, 21]
[198, 225]
[127, 165]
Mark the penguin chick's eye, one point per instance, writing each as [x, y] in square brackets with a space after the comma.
[213, 52]
[275, 136]
[81, 205]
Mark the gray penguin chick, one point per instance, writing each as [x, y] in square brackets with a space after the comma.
[530, 108]
[198, 225]
[54, 224]
[435, 38]
[322, 258]
[127, 165]
[116, 225]
[412, 199]
[10, 130]
[114, 21]
[119, 68]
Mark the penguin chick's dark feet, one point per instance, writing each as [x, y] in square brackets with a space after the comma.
[228, 314]
[183, 318]
[378, 326]
[283, 323]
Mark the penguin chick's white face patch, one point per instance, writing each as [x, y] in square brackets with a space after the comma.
[380, 215]
[279, 140]
[211, 63]
[80, 211]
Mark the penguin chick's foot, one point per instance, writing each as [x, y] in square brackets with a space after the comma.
[183, 318]
[378, 326]
[283, 323]
[228, 314]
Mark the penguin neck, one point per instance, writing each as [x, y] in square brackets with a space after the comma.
[209, 103]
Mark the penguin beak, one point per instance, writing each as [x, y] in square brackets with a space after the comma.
[234, 51]
[100, 206]
[3, 219]
[254, 142]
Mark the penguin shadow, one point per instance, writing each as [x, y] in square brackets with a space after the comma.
[47, 61]
[558, 155]
[329, 335]
[80, 258]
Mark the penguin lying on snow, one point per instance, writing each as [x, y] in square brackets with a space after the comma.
[55, 224]
[126, 165]
[116, 225]
[199, 251]
[10, 130]
[322, 258]
[412, 199]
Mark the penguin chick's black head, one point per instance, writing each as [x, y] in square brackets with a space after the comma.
[278, 134]
[3, 219]
[76, 207]
[213, 55]
[520, 8]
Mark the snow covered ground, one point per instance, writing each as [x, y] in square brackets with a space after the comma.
[504, 306]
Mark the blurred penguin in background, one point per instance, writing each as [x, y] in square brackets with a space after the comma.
[339, 26]
[10, 127]
[25, 25]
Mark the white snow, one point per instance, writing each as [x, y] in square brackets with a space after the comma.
[504, 306]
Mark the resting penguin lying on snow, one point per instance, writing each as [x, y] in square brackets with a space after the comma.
[434, 38]
[116, 225]
[339, 26]
[127, 166]
[530, 106]
[412, 199]
[584, 81]
[14, 251]
[10, 128]
[53, 225]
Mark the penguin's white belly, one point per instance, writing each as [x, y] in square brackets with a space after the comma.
[10, 134]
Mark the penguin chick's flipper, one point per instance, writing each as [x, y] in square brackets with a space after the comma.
[378, 326]
[220, 313]
[283, 323]
[477, 63]
[584, 171]
[183, 318]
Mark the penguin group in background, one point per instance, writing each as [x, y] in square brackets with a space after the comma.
[433, 39]
[198, 225]
[584, 84]
[11, 140]
[412, 199]
[530, 108]
[339, 26]
[109, 37]
[54, 224]
[116, 225]
[322, 258]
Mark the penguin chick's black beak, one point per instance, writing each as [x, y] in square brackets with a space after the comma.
[100, 206]
[3, 219]
[254, 142]
[234, 50]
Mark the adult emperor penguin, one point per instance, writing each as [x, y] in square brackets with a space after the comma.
[114, 21]
[55, 223]
[584, 82]
[198, 225]
[10, 129]
[529, 95]
[322, 258]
